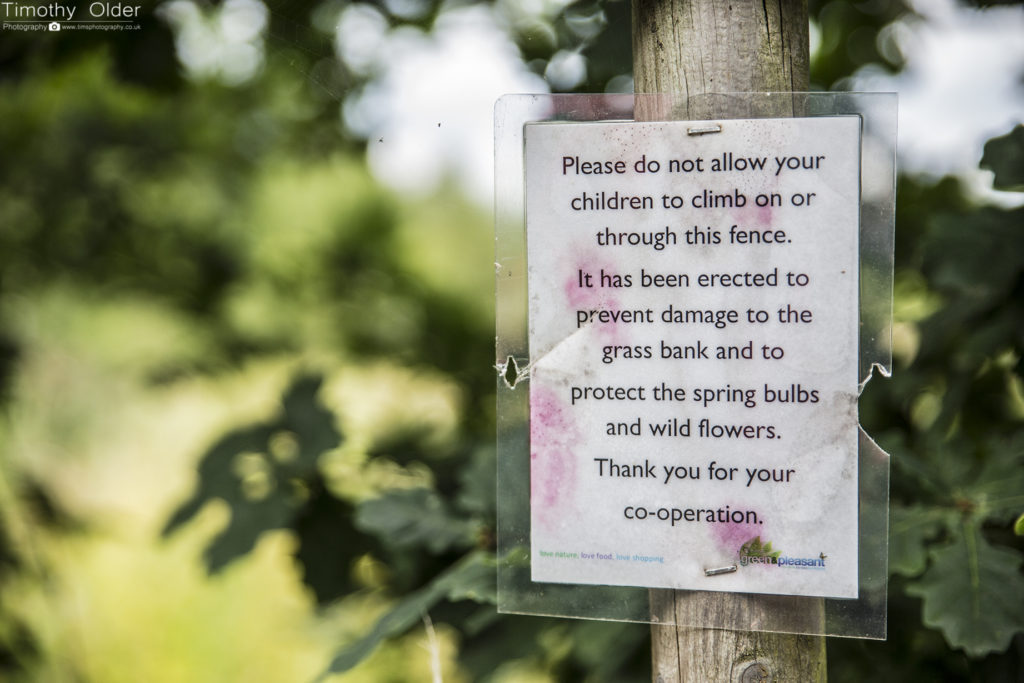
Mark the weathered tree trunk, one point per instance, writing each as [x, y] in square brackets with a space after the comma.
[692, 48]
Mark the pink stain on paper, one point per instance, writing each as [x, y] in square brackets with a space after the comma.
[731, 536]
[583, 294]
[761, 216]
[552, 458]
[578, 295]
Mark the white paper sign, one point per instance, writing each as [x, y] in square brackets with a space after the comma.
[694, 354]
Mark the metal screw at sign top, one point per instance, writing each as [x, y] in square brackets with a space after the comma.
[721, 570]
[756, 673]
[704, 130]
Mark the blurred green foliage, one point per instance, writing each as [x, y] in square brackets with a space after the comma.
[248, 392]
[1005, 156]
[851, 35]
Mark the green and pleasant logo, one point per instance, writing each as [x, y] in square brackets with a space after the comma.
[56, 16]
[756, 552]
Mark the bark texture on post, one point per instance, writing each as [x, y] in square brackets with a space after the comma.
[692, 48]
[684, 654]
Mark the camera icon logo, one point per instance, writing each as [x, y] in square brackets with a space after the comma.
[54, 26]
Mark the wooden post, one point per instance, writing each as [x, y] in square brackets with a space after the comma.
[694, 47]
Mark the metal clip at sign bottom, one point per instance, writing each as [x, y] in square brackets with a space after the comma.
[721, 570]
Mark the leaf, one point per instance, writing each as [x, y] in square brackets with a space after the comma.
[998, 490]
[249, 521]
[1005, 156]
[602, 648]
[973, 276]
[910, 530]
[263, 472]
[467, 577]
[1018, 527]
[396, 622]
[329, 544]
[973, 592]
[414, 518]
[217, 478]
[754, 548]
[476, 581]
[477, 483]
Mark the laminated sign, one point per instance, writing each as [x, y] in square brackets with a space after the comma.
[693, 334]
